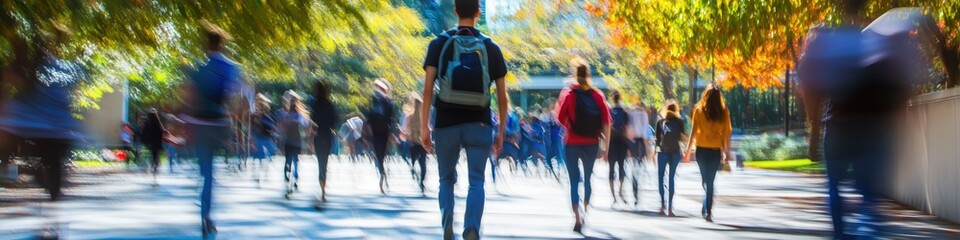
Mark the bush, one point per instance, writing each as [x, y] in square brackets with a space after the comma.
[773, 147]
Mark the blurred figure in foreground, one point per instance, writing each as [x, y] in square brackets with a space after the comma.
[670, 133]
[621, 136]
[639, 124]
[264, 132]
[39, 112]
[864, 77]
[411, 129]
[207, 116]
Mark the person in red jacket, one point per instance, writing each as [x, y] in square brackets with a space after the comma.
[585, 115]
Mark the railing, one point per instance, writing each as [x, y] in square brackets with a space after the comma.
[926, 174]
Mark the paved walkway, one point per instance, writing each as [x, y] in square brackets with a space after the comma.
[752, 204]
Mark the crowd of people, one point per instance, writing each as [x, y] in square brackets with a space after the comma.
[454, 113]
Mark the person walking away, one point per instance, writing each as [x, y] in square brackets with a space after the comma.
[462, 63]
[173, 139]
[556, 133]
[411, 129]
[639, 124]
[669, 135]
[711, 134]
[620, 140]
[325, 116]
[380, 116]
[864, 76]
[153, 138]
[40, 110]
[293, 119]
[207, 115]
[585, 115]
[264, 135]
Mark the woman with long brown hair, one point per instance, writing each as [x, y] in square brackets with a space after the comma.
[711, 134]
[585, 115]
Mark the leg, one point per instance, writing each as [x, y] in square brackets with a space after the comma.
[836, 171]
[573, 169]
[207, 139]
[380, 152]
[421, 158]
[322, 144]
[674, 161]
[709, 162]
[53, 154]
[589, 156]
[447, 148]
[662, 160]
[477, 139]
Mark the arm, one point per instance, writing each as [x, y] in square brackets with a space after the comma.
[727, 130]
[431, 74]
[502, 112]
[693, 136]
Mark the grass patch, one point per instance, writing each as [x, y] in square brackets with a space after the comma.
[796, 165]
[95, 164]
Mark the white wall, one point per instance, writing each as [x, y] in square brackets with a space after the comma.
[102, 125]
[926, 171]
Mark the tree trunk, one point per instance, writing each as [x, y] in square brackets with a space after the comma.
[692, 94]
[786, 103]
[663, 73]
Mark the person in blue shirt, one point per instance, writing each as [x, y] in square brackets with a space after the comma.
[39, 111]
[208, 88]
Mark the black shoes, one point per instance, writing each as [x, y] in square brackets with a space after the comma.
[208, 229]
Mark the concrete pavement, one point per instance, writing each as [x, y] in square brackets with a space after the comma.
[753, 204]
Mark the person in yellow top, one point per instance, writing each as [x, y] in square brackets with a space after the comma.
[711, 134]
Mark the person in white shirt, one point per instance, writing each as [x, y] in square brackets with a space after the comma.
[639, 122]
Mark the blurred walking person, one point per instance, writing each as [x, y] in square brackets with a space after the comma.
[669, 135]
[463, 120]
[621, 136]
[325, 117]
[380, 116]
[411, 129]
[294, 120]
[264, 134]
[864, 76]
[153, 138]
[586, 116]
[711, 134]
[640, 126]
[209, 87]
[40, 111]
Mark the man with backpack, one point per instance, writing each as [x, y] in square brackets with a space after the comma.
[380, 117]
[620, 140]
[462, 64]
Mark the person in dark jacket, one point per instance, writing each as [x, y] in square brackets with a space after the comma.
[324, 115]
[152, 133]
[669, 134]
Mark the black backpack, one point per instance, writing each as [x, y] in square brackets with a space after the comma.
[588, 116]
[669, 131]
[618, 127]
[380, 115]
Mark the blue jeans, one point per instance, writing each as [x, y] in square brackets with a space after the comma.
[265, 147]
[207, 140]
[587, 154]
[664, 159]
[709, 162]
[867, 149]
[172, 157]
[322, 146]
[476, 139]
[291, 163]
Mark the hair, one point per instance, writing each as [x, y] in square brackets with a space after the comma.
[853, 7]
[292, 103]
[581, 72]
[321, 92]
[467, 8]
[615, 96]
[711, 104]
[214, 35]
[671, 110]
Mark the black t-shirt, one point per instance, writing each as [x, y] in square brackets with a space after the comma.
[324, 114]
[668, 133]
[496, 65]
